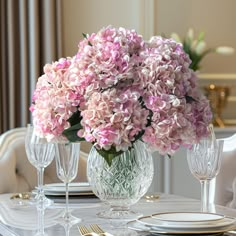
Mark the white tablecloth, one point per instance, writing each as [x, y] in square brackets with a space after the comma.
[23, 219]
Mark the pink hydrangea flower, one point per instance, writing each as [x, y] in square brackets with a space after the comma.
[108, 57]
[113, 118]
[55, 99]
[179, 110]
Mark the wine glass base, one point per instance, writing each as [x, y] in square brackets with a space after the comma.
[123, 215]
[41, 234]
[68, 220]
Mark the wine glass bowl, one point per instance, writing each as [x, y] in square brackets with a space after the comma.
[204, 161]
[40, 154]
[67, 161]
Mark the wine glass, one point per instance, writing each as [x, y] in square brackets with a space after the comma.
[67, 160]
[40, 154]
[204, 160]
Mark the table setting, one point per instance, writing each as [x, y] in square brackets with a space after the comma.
[167, 215]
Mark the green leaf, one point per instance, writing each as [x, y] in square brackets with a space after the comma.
[201, 36]
[190, 99]
[71, 133]
[109, 155]
[109, 159]
[138, 136]
[186, 48]
[169, 156]
[75, 118]
[85, 36]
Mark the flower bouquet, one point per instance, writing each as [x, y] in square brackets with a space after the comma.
[118, 89]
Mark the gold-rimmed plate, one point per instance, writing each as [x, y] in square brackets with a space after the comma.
[137, 226]
[190, 218]
[75, 189]
[149, 221]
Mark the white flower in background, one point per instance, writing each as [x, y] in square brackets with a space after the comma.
[176, 37]
[190, 35]
[200, 47]
[224, 50]
[196, 48]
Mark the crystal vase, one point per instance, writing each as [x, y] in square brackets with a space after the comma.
[122, 183]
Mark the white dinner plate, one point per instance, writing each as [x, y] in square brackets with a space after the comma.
[59, 189]
[155, 223]
[137, 226]
[188, 218]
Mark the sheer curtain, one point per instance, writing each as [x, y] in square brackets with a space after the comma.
[30, 36]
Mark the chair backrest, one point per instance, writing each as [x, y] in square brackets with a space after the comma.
[16, 172]
[225, 182]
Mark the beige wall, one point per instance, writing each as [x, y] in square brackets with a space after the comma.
[88, 16]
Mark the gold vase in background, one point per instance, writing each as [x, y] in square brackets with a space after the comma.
[218, 97]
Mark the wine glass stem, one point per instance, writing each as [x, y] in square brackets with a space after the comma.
[67, 200]
[67, 229]
[205, 198]
[41, 220]
[40, 183]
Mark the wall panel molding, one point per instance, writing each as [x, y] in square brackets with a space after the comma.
[217, 77]
[147, 18]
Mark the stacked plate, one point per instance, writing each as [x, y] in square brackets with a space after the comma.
[75, 189]
[183, 223]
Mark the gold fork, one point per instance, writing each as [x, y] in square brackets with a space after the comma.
[85, 231]
[97, 229]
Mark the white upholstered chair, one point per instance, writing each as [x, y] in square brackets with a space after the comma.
[225, 182]
[16, 172]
